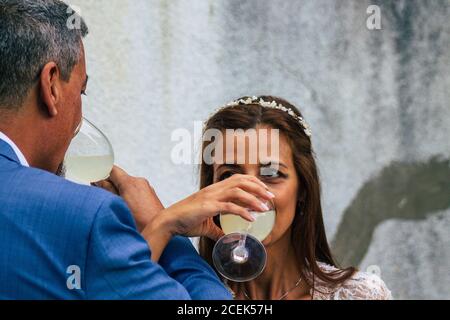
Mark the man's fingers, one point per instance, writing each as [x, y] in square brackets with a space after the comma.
[117, 173]
[108, 186]
[117, 176]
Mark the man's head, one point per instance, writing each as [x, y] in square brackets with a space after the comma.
[42, 76]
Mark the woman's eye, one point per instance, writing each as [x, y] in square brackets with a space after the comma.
[270, 173]
[226, 175]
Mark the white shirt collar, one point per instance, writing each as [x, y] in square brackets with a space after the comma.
[18, 153]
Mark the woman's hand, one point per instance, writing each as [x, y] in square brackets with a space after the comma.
[193, 216]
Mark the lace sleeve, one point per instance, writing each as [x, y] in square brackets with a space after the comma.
[363, 286]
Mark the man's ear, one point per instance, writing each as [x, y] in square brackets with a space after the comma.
[50, 88]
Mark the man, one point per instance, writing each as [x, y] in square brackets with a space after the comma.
[60, 240]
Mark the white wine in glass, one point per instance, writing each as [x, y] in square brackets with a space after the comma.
[90, 157]
[260, 229]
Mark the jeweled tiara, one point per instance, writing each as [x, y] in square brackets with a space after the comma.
[271, 105]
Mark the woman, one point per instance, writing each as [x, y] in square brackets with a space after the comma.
[299, 262]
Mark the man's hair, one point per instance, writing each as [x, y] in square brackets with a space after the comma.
[32, 34]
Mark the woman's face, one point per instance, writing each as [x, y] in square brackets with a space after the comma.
[275, 169]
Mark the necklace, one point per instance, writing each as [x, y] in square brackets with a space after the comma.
[283, 296]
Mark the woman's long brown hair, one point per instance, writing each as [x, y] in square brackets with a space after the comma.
[308, 232]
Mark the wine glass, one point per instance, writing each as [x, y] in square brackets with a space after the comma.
[90, 157]
[240, 256]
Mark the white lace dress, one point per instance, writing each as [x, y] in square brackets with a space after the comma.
[361, 286]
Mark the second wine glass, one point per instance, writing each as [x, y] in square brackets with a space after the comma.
[90, 157]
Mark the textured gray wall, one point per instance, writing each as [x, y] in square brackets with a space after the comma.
[378, 102]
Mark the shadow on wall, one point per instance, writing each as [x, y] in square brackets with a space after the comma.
[411, 191]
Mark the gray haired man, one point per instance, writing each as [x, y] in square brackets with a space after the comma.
[60, 240]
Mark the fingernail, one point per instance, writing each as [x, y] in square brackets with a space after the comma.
[264, 207]
[270, 194]
[252, 218]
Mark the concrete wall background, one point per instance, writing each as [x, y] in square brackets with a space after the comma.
[378, 102]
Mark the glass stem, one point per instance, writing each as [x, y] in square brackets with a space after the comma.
[240, 254]
[242, 241]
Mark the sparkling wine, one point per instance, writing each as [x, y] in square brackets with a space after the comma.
[260, 229]
[88, 169]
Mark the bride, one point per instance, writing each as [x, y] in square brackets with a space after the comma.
[300, 265]
[299, 262]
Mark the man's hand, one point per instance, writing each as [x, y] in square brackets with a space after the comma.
[139, 195]
[144, 205]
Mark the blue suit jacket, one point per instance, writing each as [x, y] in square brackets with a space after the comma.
[49, 225]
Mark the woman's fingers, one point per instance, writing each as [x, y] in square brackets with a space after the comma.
[253, 179]
[256, 189]
[244, 199]
[231, 196]
[247, 183]
[237, 179]
[213, 232]
[232, 208]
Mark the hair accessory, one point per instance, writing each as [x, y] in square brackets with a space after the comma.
[271, 105]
